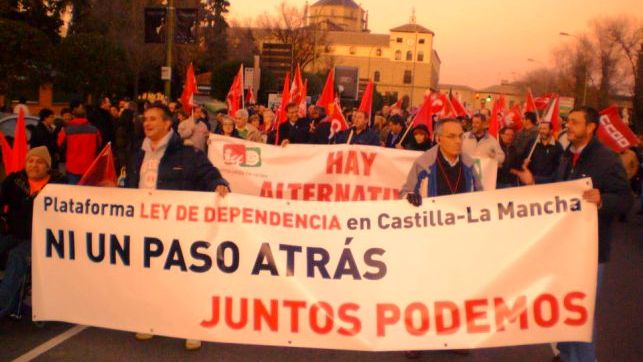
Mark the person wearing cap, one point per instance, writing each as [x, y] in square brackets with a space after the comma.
[17, 193]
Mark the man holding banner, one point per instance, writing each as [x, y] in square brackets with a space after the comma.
[360, 133]
[587, 157]
[163, 162]
[444, 169]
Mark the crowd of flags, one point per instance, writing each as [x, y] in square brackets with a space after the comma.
[436, 105]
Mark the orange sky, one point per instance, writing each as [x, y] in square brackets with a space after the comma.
[479, 42]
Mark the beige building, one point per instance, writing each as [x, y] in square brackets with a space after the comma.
[401, 63]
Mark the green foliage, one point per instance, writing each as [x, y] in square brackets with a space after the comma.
[25, 55]
[89, 64]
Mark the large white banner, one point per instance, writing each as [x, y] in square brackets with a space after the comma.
[320, 172]
[475, 270]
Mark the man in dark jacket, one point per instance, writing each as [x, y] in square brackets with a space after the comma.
[103, 120]
[360, 133]
[294, 130]
[18, 191]
[527, 135]
[45, 134]
[544, 161]
[163, 162]
[587, 157]
[396, 130]
[505, 178]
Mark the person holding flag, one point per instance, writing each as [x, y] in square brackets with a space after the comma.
[360, 133]
[478, 141]
[294, 130]
[527, 135]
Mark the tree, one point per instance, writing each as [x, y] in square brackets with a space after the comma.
[45, 16]
[215, 29]
[25, 55]
[290, 26]
[90, 65]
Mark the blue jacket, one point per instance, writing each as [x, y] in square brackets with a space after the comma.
[182, 168]
[425, 171]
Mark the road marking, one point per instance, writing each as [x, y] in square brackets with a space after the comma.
[50, 344]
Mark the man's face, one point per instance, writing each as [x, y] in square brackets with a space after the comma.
[49, 120]
[396, 127]
[544, 131]
[386, 110]
[508, 136]
[67, 117]
[240, 121]
[359, 120]
[578, 130]
[477, 125]
[314, 113]
[105, 104]
[292, 114]
[154, 125]
[172, 107]
[450, 140]
[36, 168]
[114, 111]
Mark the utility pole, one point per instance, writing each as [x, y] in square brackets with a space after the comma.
[169, 45]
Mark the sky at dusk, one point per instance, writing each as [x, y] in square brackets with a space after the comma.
[479, 42]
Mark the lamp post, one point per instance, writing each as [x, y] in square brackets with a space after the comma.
[169, 43]
[562, 33]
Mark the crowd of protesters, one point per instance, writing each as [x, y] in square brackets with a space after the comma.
[63, 147]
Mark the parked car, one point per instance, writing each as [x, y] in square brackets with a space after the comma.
[8, 125]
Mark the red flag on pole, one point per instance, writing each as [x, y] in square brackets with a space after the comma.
[327, 98]
[189, 90]
[101, 172]
[366, 105]
[458, 107]
[426, 112]
[613, 132]
[552, 113]
[302, 103]
[281, 113]
[19, 153]
[336, 118]
[7, 155]
[448, 111]
[496, 114]
[513, 118]
[530, 104]
[250, 96]
[235, 93]
[297, 87]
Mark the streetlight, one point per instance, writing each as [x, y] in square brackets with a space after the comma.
[562, 33]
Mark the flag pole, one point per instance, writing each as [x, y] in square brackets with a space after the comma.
[406, 131]
[350, 137]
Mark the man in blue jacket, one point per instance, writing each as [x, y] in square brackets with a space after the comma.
[587, 157]
[164, 163]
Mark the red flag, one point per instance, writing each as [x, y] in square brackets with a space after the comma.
[19, 152]
[530, 104]
[496, 115]
[281, 113]
[458, 107]
[552, 114]
[613, 132]
[302, 103]
[297, 87]
[448, 111]
[397, 105]
[189, 90]
[250, 96]
[336, 118]
[327, 98]
[101, 172]
[513, 118]
[542, 102]
[7, 155]
[425, 114]
[366, 105]
[235, 93]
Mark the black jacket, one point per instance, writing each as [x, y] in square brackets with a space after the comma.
[367, 137]
[181, 168]
[297, 133]
[16, 199]
[608, 175]
[42, 136]
[544, 161]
